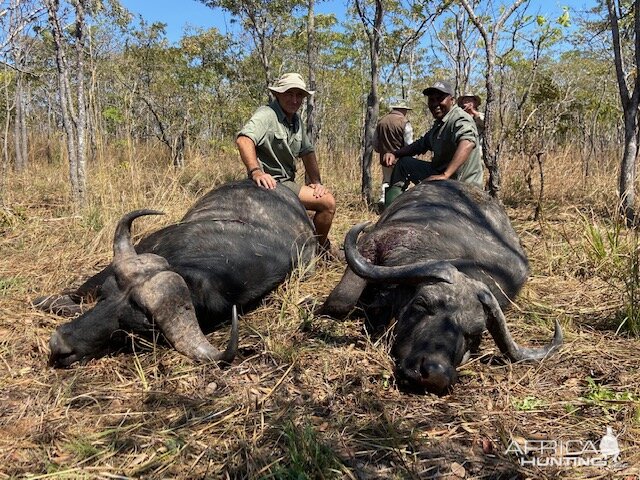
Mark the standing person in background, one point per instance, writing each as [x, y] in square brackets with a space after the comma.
[470, 102]
[453, 139]
[271, 141]
[393, 131]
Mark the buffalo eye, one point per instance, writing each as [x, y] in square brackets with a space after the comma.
[423, 306]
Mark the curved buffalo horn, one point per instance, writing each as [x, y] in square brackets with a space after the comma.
[497, 326]
[122, 245]
[440, 270]
[166, 297]
[129, 267]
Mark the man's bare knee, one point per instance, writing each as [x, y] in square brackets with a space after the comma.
[329, 204]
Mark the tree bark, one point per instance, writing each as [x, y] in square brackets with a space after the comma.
[18, 18]
[73, 123]
[373, 101]
[82, 106]
[312, 59]
[5, 141]
[626, 184]
[20, 126]
[630, 102]
[491, 36]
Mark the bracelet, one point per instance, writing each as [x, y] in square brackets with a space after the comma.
[250, 172]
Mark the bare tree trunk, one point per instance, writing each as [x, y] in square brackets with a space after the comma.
[491, 37]
[312, 59]
[491, 153]
[63, 92]
[180, 143]
[462, 48]
[373, 101]
[82, 107]
[18, 49]
[94, 121]
[20, 126]
[74, 124]
[626, 184]
[5, 141]
[630, 102]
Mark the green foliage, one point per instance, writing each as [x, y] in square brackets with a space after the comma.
[613, 252]
[114, 117]
[196, 93]
[306, 457]
[527, 404]
[605, 398]
[92, 219]
[570, 408]
[546, 91]
[564, 20]
[9, 285]
[81, 448]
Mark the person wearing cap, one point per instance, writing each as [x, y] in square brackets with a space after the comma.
[392, 132]
[470, 103]
[271, 142]
[452, 139]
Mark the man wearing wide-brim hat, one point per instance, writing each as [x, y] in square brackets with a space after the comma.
[452, 139]
[470, 102]
[271, 141]
[392, 132]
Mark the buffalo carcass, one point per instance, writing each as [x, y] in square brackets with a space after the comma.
[443, 260]
[234, 246]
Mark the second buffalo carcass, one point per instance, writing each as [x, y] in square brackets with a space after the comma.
[443, 260]
[235, 245]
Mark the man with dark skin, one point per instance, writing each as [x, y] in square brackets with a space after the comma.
[453, 139]
[272, 140]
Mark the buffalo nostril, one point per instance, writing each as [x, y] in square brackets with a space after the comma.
[58, 347]
[436, 377]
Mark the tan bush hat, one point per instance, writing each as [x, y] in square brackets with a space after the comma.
[402, 104]
[471, 95]
[288, 81]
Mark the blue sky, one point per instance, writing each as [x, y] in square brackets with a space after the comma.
[176, 14]
[179, 14]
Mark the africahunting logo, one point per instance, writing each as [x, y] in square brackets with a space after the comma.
[567, 453]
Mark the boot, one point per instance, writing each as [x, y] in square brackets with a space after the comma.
[391, 194]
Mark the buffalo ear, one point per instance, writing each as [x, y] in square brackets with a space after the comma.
[61, 305]
[166, 298]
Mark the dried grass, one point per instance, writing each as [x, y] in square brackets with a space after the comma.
[308, 397]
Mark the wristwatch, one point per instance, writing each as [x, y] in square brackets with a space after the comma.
[250, 172]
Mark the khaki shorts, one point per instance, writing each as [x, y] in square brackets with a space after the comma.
[291, 185]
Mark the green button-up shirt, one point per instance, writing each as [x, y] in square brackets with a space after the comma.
[443, 139]
[278, 142]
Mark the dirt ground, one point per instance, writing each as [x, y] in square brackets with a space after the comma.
[311, 397]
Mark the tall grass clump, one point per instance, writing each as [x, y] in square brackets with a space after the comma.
[306, 456]
[613, 253]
